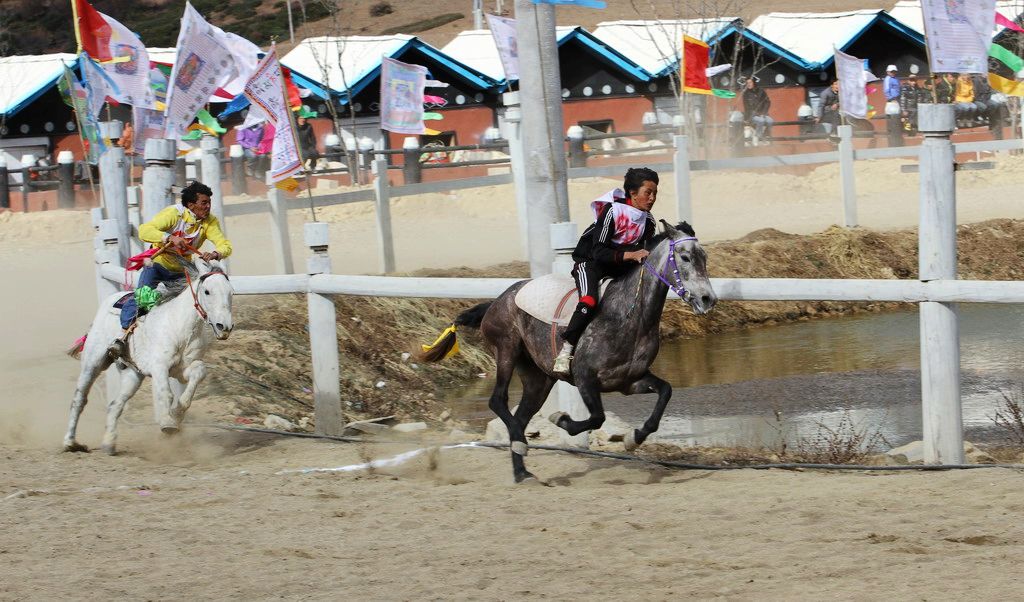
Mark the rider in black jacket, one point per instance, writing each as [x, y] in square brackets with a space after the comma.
[607, 248]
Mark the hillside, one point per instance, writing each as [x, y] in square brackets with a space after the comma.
[43, 26]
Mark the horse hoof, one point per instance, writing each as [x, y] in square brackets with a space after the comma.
[75, 447]
[554, 418]
[109, 449]
[629, 441]
[518, 447]
[169, 430]
[527, 478]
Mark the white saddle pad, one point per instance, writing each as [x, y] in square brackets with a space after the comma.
[552, 298]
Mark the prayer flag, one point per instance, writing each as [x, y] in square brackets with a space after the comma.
[853, 99]
[958, 34]
[91, 31]
[693, 66]
[401, 97]
[78, 97]
[503, 30]
[97, 83]
[1005, 22]
[1005, 69]
[203, 63]
[149, 123]
[265, 90]
[118, 51]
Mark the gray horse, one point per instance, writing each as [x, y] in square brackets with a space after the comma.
[615, 352]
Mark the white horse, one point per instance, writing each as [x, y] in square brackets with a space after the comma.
[168, 342]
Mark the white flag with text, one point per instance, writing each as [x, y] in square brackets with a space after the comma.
[958, 34]
[265, 90]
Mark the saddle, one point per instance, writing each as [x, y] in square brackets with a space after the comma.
[552, 298]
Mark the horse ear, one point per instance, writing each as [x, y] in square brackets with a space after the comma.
[686, 229]
[667, 228]
[201, 265]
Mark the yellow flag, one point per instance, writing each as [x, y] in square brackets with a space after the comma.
[287, 184]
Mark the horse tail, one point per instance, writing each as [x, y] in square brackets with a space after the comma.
[447, 343]
[75, 351]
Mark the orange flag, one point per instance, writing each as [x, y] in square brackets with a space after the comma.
[693, 66]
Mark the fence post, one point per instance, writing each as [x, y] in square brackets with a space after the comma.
[383, 214]
[238, 184]
[577, 154]
[134, 194]
[211, 169]
[366, 156]
[5, 185]
[158, 176]
[280, 239]
[412, 172]
[942, 417]
[26, 179]
[513, 133]
[323, 338]
[681, 174]
[112, 178]
[565, 397]
[66, 179]
[107, 253]
[180, 171]
[846, 176]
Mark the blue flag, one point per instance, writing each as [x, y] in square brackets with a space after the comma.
[583, 3]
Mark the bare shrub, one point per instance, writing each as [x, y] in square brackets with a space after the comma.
[1010, 417]
[846, 443]
[380, 9]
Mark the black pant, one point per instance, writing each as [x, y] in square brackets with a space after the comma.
[588, 275]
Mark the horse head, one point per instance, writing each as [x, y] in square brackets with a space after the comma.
[213, 294]
[685, 269]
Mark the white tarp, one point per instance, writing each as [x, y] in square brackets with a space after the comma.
[813, 36]
[476, 49]
[958, 34]
[23, 77]
[340, 62]
[655, 45]
[853, 98]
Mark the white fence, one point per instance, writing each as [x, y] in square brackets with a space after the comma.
[936, 290]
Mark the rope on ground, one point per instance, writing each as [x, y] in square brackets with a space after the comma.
[626, 457]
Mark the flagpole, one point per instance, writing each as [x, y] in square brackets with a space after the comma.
[78, 121]
[74, 18]
[928, 55]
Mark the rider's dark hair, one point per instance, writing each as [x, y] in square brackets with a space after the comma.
[636, 176]
[191, 192]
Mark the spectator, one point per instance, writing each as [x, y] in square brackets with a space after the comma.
[964, 106]
[891, 89]
[249, 139]
[755, 110]
[306, 137]
[944, 87]
[984, 106]
[911, 93]
[828, 108]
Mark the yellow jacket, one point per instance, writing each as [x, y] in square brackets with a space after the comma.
[176, 219]
[964, 91]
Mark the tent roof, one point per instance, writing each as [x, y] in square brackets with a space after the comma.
[24, 78]
[654, 44]
[347, 64]
[476, 49]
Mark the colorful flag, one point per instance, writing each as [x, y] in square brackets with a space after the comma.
[118, 51]
[77, 96]
[1005, 71]
[1005, 22]
[92, 31]
[265, 90]
[401, 97]
[149, 123]
[98, 84]
[503, 30]
[958, 34]
[853, 79]
[203, 63]
[693, 66]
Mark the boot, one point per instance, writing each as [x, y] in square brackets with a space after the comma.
[119, 347]
[563, 361]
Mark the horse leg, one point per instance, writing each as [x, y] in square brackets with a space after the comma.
[499, 405]
[649, 383]
[590, 391]
[536, 386]
[91, 370]
[130, 383]
[163, 398]
[194, 374]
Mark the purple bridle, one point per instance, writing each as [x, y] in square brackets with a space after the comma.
[678, 287]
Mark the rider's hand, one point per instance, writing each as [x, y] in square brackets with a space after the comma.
[210, 255]
[637, 256]
[176, 243]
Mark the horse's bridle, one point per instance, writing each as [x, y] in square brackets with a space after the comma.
[678, 287]
[195, 294]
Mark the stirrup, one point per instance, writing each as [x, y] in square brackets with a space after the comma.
[117, 349]
[562, 365]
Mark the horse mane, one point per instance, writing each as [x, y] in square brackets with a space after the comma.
[683, 227]
[175, 287]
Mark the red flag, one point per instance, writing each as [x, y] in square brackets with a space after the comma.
[1002, 20]
[693, 66]
[294, 100]
[92, 31]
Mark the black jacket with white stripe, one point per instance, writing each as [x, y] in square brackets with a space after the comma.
[596, 242]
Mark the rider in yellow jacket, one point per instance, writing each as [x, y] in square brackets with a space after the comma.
[178, 229]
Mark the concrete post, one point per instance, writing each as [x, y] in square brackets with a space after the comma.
[412, 173]
[112, 178]
[180, 171]
[238, 184]
[108, 253]
[942, 418]
[547, 192]
[66, 177]
[512, 126]
[385, 242]
[681, 175]
[5, 185]
[577, 154]
[323, 338]
[564, 397]
[211, 170]
[846, 176]
[27, 161]
[280, 239]
[158, 176]
[134, 194]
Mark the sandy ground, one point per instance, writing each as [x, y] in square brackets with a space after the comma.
[462, 531]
